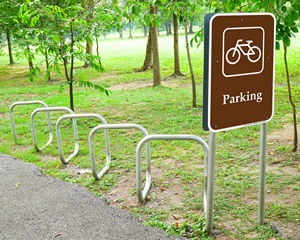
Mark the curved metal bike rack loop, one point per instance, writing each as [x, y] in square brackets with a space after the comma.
[50, 109]
[75, 116]
[142, 193]
[11, 116]
[113, 126]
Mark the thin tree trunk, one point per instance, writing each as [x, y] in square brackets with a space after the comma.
[148, 57]
[71, 70]
[130, 32]
[64, 60]
[11, 59]
[30, 63]
[194, 101]
[89, 45]
[46, 54]
[47, 65]
[167, 28]
[176, 50]
[97, 49]
[170, 28]
[156, 65]
[291, 101]
[121, 33]
[145, 30]
[191, 25]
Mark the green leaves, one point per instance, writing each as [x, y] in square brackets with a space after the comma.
[99, 87]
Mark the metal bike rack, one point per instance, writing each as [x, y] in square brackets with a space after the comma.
[113, 126]
[142, 193]
[75, 116]
[11, 116]
[50, 109]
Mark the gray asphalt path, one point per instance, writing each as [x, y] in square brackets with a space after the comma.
[34, 206]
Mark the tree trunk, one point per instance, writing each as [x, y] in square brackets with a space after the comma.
[176, 50]
[47, 66]
[194, 101]
[145, 30]
[97, 49]
[11, 59]
[62, 52]
[148, 57]
[130, 32]
[170, 28]
[291, 101]
[191, 25]
[48, 74]
[30, 63]
[167, 28]
[89, 51]
[89, 45]
[156, 65]
[121, 33]
[71, 70]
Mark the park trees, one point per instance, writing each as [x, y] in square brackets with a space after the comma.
[8, 11]
[68, 32]
[147, 11]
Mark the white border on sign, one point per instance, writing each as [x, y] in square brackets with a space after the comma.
[209, 70]
[262, 54]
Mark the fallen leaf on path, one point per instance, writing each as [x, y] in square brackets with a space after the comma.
[162, 189]
[176, 217]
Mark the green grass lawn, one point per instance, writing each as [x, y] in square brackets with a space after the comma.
[175, 201]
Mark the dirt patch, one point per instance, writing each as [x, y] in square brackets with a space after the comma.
[48, 157]
[290, 231]
[75, 170]
[133, 85]
[284, 135]
[21, 148]
[163, 194]
[136, 85]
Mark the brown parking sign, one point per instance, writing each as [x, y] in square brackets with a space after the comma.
[238, 70]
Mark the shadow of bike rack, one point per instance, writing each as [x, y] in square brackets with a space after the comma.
[75, 116]
[11, 116]
[113, 126]
[142, 193]
[50, 109]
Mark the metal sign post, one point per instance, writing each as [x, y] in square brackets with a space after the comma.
[262, 172]
[210, 181]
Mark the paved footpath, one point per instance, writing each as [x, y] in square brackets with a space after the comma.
[34, 206]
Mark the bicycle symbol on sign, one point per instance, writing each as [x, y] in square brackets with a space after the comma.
[233, 54]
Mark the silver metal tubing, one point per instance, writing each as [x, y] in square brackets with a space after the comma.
[262, 172]
[75, 116]
[210, 182]
[49, 109]
[113, 126]
[11, 116]
[142, 193]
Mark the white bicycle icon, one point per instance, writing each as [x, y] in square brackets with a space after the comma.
[233, 54]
